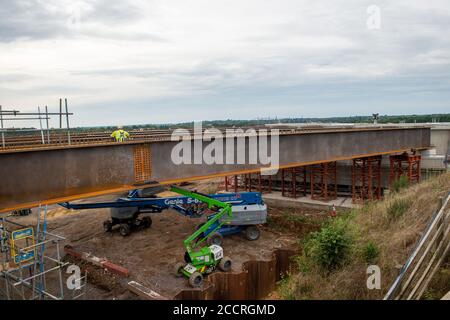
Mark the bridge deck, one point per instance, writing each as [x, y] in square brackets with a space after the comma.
[47, 174]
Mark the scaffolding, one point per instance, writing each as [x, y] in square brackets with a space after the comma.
[248, 182]
[404, 164]
[31, 267]
[293, 182]
[366, 179]
[9, 135]
[79, 292]
[323, 181]
[231, 183]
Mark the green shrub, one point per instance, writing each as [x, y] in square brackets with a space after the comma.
[285, 289]
[304, 263]
[400, 183]
[398, 208]
[370, 252]
[330, 247]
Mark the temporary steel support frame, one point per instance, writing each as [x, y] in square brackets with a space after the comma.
[248, 182]
[232, 183]
[297, 182]
[265, 183]
[323, 181]
[414, 168]
[366, 179]
[228, 182]
[404, 164]
[27, 279]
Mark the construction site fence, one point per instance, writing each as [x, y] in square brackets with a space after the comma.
[426, 258]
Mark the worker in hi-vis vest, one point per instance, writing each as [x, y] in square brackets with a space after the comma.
[120, 134]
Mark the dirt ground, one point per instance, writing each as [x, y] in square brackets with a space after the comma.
[150, 254]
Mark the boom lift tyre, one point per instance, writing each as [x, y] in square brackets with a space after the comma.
[248, 210]
[178, 269]
[107, 225]
[252, 233]
[147, 222]
[215, 238]
[196, 279]
[124, 229]
[225, 264]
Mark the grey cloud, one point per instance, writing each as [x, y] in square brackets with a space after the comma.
[121, 72]
[401, 63]
[217, 69]
[113, 12]
[36, 19]
[114, 35]
[27, 19]
[14, 77]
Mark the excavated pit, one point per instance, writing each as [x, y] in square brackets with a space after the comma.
[257, 280]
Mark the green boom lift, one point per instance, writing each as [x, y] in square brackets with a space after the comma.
[200, 261]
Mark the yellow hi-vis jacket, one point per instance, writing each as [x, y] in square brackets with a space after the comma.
[120, 135]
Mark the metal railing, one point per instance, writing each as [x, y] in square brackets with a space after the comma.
[41, 135]
[426, 258]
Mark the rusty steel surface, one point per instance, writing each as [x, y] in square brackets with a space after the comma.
[58, 138]
[63, 173]
[142, 163]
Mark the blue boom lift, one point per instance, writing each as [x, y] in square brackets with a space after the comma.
[248, 208]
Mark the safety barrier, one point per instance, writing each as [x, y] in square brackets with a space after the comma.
[428, 255]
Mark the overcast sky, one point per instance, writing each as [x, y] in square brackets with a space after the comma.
[135, 61]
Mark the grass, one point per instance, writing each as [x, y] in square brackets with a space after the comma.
[398, 208]
[299, 221]
[400, 183]
[370, 252]
[382, 233]
[440, 284]
[284, 288]
[296, 218]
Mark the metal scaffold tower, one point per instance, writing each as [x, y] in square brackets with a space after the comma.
[404, 164]
[324, 181]
[248, 182]
[366, 179]
[31, 266]
[293, 182]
